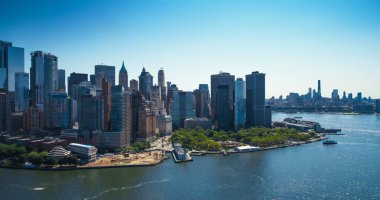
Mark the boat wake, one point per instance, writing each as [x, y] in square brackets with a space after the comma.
[38, 188]
[125, 188]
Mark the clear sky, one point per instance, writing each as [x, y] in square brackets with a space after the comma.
[295, 42]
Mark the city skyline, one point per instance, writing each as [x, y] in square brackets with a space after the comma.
[294, 50]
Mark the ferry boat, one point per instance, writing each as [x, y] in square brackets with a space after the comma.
[326, 142]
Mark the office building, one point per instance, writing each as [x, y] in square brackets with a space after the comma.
[202, 101]
[22, 91]
[222, 100]
[75, 78]
[134, 85]
[146, 124]
[43, 77]
[359, 97]
[257, 113]
[161, 84]
[137, 101]
[93, 79]
[169, 97]
[11, 62]
[61, 80]
[3, 113]
[240, 103]
[164, 124]
[319, 89]
[58, 117]
[123, 77]
[34, 120]
[145, 84]
[106, 95]
[182, 108]
[335, 94]
[104, 71]
[121, 112]
[377, 105]
[90, 112]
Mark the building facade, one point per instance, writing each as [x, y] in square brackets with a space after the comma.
[104, 71]
[59, 111]
[222, 100]
[134, 85]
[11, 62]
[61, 80]
[182, 107]
[257, 113]
[75, 78]
[145, 84]
[240, 98]
[22, 91]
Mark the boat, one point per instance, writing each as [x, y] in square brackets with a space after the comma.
[326, 142]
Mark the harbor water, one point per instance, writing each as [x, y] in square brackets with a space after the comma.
[347, 170]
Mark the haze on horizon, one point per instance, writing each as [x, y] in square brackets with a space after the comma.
[294, 42]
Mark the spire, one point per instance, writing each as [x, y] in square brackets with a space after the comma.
[123, 69]
[143, 69]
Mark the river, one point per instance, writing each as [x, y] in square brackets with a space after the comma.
[348, 170]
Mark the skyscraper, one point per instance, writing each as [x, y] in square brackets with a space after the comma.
[104, 71]
[240, 104]
[202, 101]
[183, 107]
[106, 95]
[134, 85]
[123, 77]
[335, 94]
[171, 89]
[11, 62]
[378, 105]
[90, 109]
[222, 98]
[319, 89]
[61, 80]
[59, 111]
[161, 84]
[121, 112]
[75, 78]
[257, 113]
[146, 83]
[22, 91]
[43, 77]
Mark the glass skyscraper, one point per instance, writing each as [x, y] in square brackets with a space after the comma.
[22, 91]
[240, 98]
[182, 107]
[11, 62]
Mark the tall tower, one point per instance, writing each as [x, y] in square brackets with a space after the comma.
[22, 91]
[106, 93]
[104, 71]
[146, 83]
[11, 62]
[222, 97]
[258, 114]
[61, 80]
[240, 98]
[319, 89]
[123, 77]
[161, 84]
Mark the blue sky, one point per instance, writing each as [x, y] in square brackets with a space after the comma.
[294, 42]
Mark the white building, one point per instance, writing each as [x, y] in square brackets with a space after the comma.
[86, 151]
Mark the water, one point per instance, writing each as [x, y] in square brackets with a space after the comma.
[348, 170]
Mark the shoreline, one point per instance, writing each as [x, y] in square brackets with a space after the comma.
[70, 168]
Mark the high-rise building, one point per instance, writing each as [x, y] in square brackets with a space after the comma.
[146, 124]
[134, 85]
[11, 62]
[75, 78]
[202, 101]
[182, 107]
[164, 124]
[121, 112]
[145, 84]
[378, 105]
[161, 84]
[335, 94]
[156, 97]
[61, 80]
[3, 113]
[93, 79]
[90, 112]
[43, 77]
[59, 111]
[344, 95]
[104, 71]
[359, 97]
[319, 89]
[222, 98]
[169, 97]
[123, 77]
[137, 101]
[240, 98]
[22, 91]
[349, 97]
[257, 113]
[106, 95]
